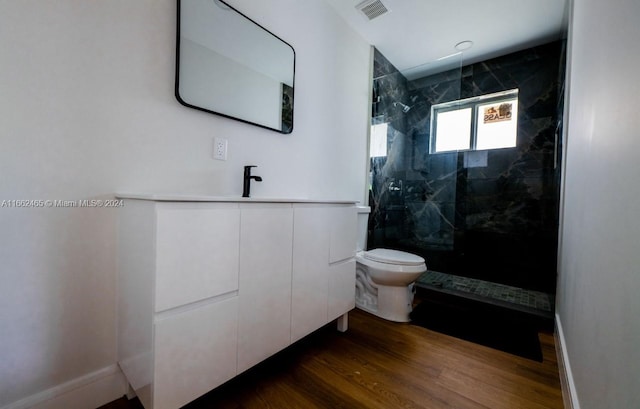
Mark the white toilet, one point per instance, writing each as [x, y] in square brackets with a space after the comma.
[384, 280]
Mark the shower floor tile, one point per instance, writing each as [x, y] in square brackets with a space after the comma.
[530, 301]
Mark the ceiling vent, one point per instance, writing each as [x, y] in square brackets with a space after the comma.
[372, 8]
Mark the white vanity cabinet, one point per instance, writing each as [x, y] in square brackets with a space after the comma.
[323, 282]
[178, 298]
[194, 261]
[264, 316]
[209, 288]
[194, 351]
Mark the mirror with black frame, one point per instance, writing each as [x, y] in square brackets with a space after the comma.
[229, 65]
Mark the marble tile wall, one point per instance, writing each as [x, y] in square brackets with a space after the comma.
[496, 222]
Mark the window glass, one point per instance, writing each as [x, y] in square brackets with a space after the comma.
[497, 125]
[453, 130]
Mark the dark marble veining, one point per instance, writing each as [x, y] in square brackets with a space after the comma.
[496, 222]
[287, 108]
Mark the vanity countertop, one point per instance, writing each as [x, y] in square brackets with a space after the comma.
[206, 198]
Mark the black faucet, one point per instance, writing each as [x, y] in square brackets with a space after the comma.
[246, 186]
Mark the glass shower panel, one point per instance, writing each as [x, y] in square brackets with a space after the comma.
[412, 193]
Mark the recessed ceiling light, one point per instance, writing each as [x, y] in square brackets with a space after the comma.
[464, 45]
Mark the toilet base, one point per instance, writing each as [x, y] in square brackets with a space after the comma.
[393, 303]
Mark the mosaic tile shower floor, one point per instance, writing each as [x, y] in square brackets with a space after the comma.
[535, 302]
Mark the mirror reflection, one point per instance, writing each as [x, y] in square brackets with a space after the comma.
[231, 66]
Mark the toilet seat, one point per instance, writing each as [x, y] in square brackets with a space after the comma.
[396, 257]
[388, 265]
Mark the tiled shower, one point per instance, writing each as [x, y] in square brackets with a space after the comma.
[490, 215]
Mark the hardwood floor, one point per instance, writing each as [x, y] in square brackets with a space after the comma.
[379, 364]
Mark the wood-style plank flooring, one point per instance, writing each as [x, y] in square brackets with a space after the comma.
[379, 364]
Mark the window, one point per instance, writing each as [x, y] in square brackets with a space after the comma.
[485, 122]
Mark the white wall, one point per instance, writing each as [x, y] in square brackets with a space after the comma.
[87, 109]
[598, 304]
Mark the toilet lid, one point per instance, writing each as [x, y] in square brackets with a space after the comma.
[393, 257]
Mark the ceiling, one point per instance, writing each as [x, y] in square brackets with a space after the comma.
[417, 35]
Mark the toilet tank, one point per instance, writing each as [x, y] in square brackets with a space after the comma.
[363, 224]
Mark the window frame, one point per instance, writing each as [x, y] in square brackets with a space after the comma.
[473, 103]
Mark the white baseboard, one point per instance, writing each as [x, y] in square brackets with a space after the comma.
[569, 394]
[86, 392]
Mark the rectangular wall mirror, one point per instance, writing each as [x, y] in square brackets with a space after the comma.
[229, 65]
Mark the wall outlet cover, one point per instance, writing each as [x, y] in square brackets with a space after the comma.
[220, 148]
